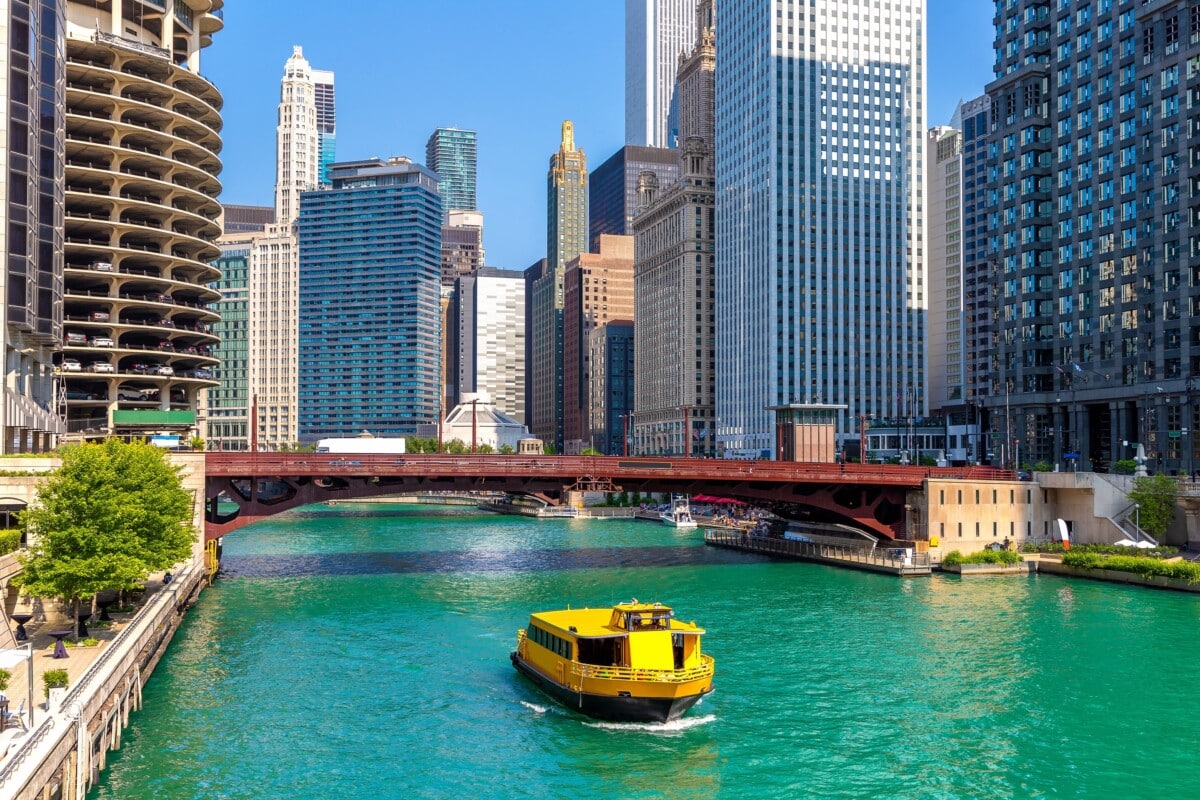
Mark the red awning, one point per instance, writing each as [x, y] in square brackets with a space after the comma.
[727, 501]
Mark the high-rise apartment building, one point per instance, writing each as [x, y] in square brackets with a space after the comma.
[597, 288]
[141, 219]
[656, 33]
[274, 255]
[820, 133]
[613, 188]
[675, 335]
[370, 322]
[453, 154]
[1094, 192]
[31, 221]
[533, 275]
[566, 237]
[325, 101]
[490, 332]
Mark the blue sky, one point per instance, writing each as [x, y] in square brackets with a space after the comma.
[511, 69]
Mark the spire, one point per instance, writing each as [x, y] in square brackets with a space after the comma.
[568, 136]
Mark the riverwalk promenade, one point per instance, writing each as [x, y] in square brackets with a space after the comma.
[59, 749]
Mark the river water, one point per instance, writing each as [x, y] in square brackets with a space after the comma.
[362, 651]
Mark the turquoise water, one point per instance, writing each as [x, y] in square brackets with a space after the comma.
[363, 651]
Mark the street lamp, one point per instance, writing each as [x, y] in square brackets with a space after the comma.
[1137, 528]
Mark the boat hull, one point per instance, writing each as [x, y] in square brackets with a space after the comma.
[604, 707]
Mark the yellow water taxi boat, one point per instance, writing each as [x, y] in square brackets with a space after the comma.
[633, 662]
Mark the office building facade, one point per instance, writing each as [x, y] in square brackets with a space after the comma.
[673, 411]
[374, 363]
[31, 221]
[229, 403]
[490, 332]
[325, 100]
[819, 133]
[462, 245]
[610, 398]
[453, 154]
[656, 33]
[613, 188]
[566, 237]
[597, 288]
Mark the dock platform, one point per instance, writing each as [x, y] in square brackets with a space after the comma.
[916, 565]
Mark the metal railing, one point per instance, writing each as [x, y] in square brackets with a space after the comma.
[605, 673]
[883, 557]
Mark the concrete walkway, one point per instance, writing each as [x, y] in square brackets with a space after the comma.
[78, 659]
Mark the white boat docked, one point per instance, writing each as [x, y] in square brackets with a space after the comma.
[680, 513]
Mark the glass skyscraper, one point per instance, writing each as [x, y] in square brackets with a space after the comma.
[820, 127]
[452, 154]
[370, 319]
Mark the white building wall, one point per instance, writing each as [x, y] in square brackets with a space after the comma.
[820, 128]
[500, 342]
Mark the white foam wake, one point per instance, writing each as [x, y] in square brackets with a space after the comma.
[535, 707]
[672, 727]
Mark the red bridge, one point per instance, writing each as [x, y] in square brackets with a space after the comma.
[870, 497]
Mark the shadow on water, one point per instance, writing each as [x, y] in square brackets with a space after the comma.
[536, 560]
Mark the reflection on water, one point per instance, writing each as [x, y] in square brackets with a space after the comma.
[468, 561]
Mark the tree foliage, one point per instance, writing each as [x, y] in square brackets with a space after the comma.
[1156, 496]
[108, 517]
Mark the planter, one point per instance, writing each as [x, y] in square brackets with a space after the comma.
[1118, 576]
[967, 570]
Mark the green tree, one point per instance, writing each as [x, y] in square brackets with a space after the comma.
[548, 449]
[1155, 495]
[456, 447]
[485, 448]
[506, 450]
[108, 517]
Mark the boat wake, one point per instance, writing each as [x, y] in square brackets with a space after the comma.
[668, 728]
[535, 707]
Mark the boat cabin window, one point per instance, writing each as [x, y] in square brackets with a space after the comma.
[645, 621]
[546, 639]
[605, 652]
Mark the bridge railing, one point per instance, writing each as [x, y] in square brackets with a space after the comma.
[374, 464]
[884, 557]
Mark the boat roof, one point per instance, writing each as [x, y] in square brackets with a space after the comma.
[593, 623]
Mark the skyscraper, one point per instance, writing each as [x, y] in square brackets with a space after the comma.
[274, 255]
[462, 245]
[945, 332]
[656, 33]
[323, 95]
[372, 363]
[453, 153]
[297, 138]
[674, 337]
[820, 128]
[597, 288]
[140, 216]
[31, 220]
[566, 237]
[490, 330]
[613, 188]
[1094, 187]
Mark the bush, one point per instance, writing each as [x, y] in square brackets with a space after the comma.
[10, 541]
[1006, 557]
[54, 679]
[952, 559]
[1126, 466]
[1143, 567]
[5, 677]
[1103, 549]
